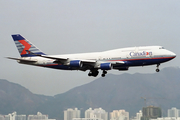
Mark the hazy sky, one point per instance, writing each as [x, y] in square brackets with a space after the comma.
[75, 26]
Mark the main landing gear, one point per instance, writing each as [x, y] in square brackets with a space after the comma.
[104, 73]
[157, 70]
[94, 73]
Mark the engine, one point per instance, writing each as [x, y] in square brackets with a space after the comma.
[105, 66]
[75, 63]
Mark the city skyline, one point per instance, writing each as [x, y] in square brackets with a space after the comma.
[90, 114]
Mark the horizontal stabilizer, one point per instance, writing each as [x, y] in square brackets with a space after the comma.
[22, 60]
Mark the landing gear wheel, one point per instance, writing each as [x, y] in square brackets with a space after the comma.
[89, 74]
[157, 70]
[93, 73]
[103, 75]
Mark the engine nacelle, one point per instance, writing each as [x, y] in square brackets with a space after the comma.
[75, 63]
[105, 66]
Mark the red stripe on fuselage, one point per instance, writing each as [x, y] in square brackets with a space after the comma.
[27, 46]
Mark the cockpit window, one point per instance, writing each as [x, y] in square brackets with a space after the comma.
[161, 47]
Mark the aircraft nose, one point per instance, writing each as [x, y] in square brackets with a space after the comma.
[173, 54]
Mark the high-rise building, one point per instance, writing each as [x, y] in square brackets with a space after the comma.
[96, 113]
[151, 112]
[173, 112]
[86, 119]
[20, 117]
[2, 117]
[69, 114]
[167, 118]
[14, 116]
[7, 117]
[119, 115]
[39, 116]
[138, 116]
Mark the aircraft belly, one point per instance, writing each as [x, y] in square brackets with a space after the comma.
[150, 61]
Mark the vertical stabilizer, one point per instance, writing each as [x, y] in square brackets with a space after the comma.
[25, 48]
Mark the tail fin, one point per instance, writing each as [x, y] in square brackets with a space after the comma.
[24, 47]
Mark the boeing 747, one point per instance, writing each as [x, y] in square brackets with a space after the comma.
[118, 59]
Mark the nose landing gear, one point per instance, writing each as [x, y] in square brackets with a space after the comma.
[157, 70]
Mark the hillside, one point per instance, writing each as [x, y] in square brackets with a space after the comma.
[121, 92]
[113, 92]
[14, 97]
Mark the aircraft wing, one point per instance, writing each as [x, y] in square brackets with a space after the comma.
[86, 63]
[62, 60]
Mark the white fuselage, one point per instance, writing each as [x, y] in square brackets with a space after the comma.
[136, 56]
[119, 59]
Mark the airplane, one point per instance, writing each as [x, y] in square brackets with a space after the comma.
[118, 59]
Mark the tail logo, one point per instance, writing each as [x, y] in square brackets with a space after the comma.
[26, 45]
